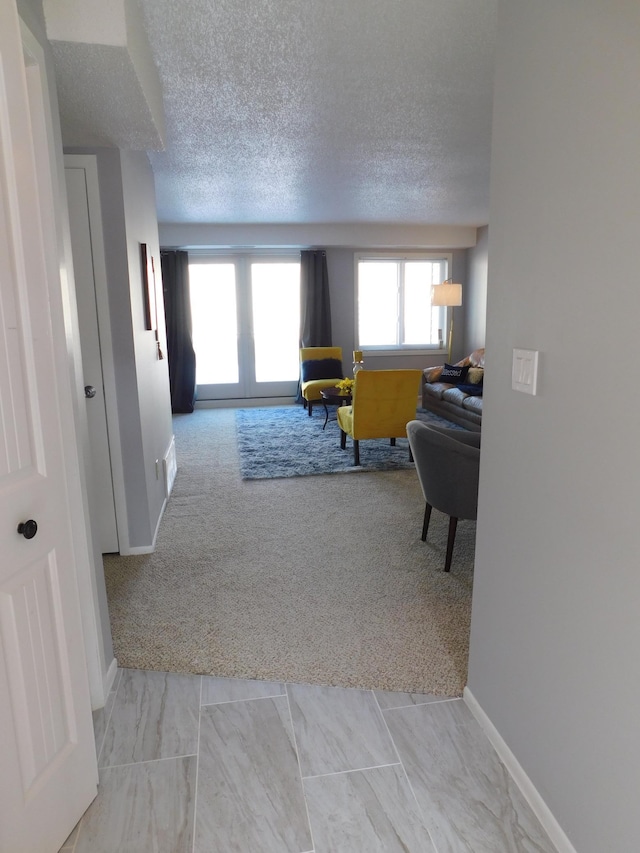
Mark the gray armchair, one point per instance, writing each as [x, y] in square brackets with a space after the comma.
[448, 464]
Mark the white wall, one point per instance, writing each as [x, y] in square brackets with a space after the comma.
[556, 606]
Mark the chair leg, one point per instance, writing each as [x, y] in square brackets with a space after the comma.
[310, 407]
[343, 439]
[410, 455]
[356, 452]
[453, 523]
[393, 442]
[425, 523]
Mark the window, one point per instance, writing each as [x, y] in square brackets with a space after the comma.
[394, 308]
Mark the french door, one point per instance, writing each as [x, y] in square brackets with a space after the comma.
[246, 325]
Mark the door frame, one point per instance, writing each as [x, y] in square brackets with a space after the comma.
[89, 163]
[246, 389]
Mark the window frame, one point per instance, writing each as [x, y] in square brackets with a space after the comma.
[399, 349]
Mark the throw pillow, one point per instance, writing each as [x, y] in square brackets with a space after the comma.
[321, 368]
[475, 376]
[454, 374]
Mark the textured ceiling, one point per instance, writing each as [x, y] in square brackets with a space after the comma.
[109, 92]
[280, 111]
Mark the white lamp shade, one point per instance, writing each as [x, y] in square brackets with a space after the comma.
[446, 295]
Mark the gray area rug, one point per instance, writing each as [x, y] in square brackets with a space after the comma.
[321, 579]
[283, 441]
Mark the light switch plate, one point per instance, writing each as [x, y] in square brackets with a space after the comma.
[524, 371]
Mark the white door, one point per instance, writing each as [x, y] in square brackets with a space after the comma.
[48, 772]
[100, 482]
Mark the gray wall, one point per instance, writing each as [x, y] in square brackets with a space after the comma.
[127, 198]
[556, 606]
[31, 13]
[122, 331]
[151, 422]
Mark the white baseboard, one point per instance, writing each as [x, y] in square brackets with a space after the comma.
[106, 685]
[137, 549]
[110, 676]
[245, 403]
[528, 789]
[169, 467]
[132, 550]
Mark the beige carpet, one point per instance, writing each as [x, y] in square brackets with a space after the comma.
[320, 579]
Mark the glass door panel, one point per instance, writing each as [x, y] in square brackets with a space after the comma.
[275, 303]
[214, 317]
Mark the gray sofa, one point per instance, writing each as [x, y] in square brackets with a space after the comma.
[462, 403]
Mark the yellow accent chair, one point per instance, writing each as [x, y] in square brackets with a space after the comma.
[311, 382]
[384, 401]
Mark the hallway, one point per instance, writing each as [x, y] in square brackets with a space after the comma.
[215, 765]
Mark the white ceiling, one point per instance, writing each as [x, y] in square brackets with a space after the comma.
[317, 111]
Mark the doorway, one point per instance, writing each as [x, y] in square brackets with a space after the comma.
[103, 453]
[246, 324]
[85, 250]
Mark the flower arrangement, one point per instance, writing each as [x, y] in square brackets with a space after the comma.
[345, 386]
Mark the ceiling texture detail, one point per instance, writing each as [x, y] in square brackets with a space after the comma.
[293, 111]
[109, 90]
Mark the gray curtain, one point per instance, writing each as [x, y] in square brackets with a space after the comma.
[315, 309]
[177, 307]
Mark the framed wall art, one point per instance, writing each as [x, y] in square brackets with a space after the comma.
[148, 288]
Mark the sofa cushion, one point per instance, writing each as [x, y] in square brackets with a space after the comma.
[435, 389]
[454, 395]
[473, 404]
[454, 374]
[311, 390]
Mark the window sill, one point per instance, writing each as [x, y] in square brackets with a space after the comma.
[404, 353]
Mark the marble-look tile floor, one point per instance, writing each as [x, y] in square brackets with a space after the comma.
[193, 764]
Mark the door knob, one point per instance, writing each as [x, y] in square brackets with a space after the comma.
[89, 391]
[28, 528]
